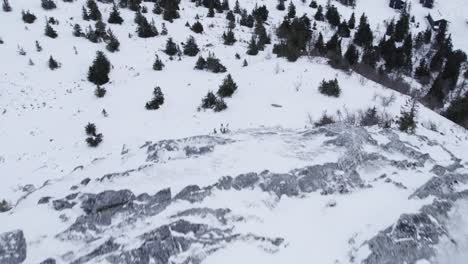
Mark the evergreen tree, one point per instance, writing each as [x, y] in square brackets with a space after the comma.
[435, 97]
[437, 61]
[146, 30]
[99, 71]
[452, 67]
[252, 49]
[320, 45]
[427, 36]
[48, 4]
[237, 8]
[77, 31]
[260, 14]
[352, 21]
[197, 27]
[228, 87]
[190, 48]
[319, 14]
[171, 47]
[49, 31]
[343, 30]
[157, 101]
[94, 141]
[330, 88]
[157, 9]
[114, 17]
[402, 27]
[164, 29]
[280, 6]
[458, 111]
[158, 65]
[407, 120]
[100, 91]
[209, 101]
[134, 5]
[229, 38]
[53, 64]
[28, 17]
[422, 72]
[171, 10]
[94, 13]
[313, 4]
[390, 28]
[90, 129]
[113, 43]
[6, 6]
[38, 46]
[363, 36]
[332, 16]
[441, 35]
[211, 12]
[291, 10]
[200, 64]
[214, 65]
[352, 55]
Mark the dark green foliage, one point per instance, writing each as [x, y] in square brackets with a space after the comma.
[422, 72]
[211, 64]
[113, 43]
[369, 117]
[220, 105]
[157, 9]
[211, 12]
[320, 45]
[246, 19]
[210, 101]
[458, 111]
[435, 97]
[77, 31]
[363, 36]
[319, 14]
[237, 8]
[93, 10]
[49, 31]
[48, 4]
[260, 13]
[343, 30]
[94, 141]
[91, 35]
[114, 17]
[291, 10]
[171, 47]
[280, 6]
[145, 29]
[330, 88]
[352, 55]
[313, 4]
[90, 129]
[427, 36]
[452, 67]
[229, 38]
[407, 119]
[252, 49]
[332, 16]
[401, 27]
[352, 21]
[38, 46]
[324, 120]
[100, 91]
[157, 101]
[228, 87]
[158, 65]
[99, 71]
[171, 9]
[53, 64]
[197, 27]
[190, 48]
[28, 17]
[262, 36]
[294, 35]
[437, 61]
[133, 5]
[200, 64]
[163, 29]
[84, 14]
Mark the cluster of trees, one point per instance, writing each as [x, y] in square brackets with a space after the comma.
[211, 63]
[216, 102]
[94, 138]
[28, 17]
[294, 35]
[330, 88]
[157, 100]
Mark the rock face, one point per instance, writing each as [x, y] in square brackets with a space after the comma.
[12, 247]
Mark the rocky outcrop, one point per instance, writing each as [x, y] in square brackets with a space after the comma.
[12, 247]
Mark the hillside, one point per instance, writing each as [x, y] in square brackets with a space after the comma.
[268, 179]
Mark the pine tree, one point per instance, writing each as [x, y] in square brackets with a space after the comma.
[211, 12]
[437, 61]
[6, 6]
[229, 38]
[352, 21]
[401, 27]
[191, 48]
[200, 64]
[49, 31]
[84, 14]
[452, 68]
[157, 101]
[237, 8]
[134, 5]
[48, 4]
[53, 64]
[280, 6]
[332, 16]
[427, 36]
[38, 46]
[458, 111]
[407, 120]
[319, 14]
[291, 10]
[158, 65]
[114, 17]
[228, 87]
[171, 47]
[330, 88]
[146, 30]
[163, 29]
[171, 10]
[28, 17]
[352, 55]
[113, 43]
[252, 49]
[313, 4]
[422, 72]
[94, 13]
[99, 71]
[90, 129]
[197, 27]
[320, 45]
[209, 101]
[363, 36]
[157, 9]
[436, 95]
[77, 32]
[343, 30]
[100, 91]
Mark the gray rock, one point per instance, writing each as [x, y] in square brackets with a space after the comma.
[49, 261]
[44, 200]
[106, 200]
[60, 205]
[12, 247]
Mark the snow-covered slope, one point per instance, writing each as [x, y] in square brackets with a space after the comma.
[338, 194]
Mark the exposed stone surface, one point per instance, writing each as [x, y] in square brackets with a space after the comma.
[12, 247]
